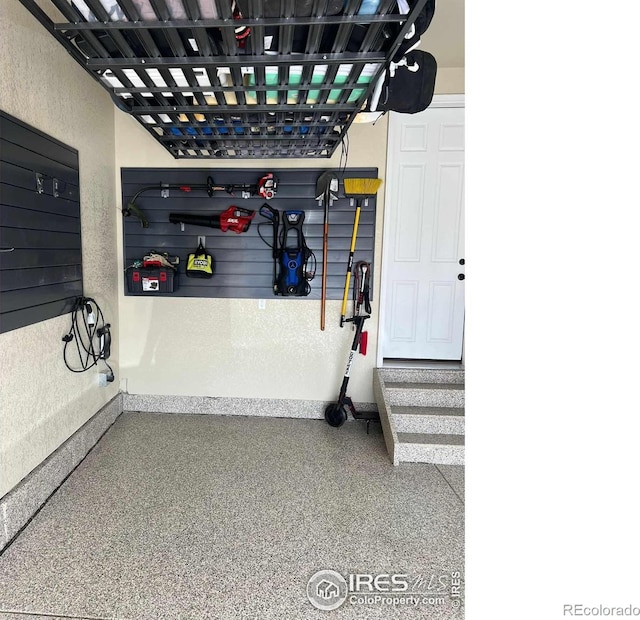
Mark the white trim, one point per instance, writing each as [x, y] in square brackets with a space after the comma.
[447, 101]
[439, 101]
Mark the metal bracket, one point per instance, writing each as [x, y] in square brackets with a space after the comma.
[39, 183]
[164, 193]
[333, 190]
[182, 226]
[56, 193]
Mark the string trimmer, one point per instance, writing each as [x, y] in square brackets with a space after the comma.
[266, 188]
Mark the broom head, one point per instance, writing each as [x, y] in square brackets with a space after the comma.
[361, 187]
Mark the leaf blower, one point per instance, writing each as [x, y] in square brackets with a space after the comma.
[235, 219]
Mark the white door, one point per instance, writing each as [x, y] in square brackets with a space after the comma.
[423, 254]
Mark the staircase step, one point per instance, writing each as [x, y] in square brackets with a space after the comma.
[421, 375]
[425, 394]
[429, 448]
[422, 415]
[431, 438]
[417, 411]
[430, 420]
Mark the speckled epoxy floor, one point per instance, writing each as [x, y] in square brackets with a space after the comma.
[194, 517]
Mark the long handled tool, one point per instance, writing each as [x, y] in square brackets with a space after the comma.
[326, 192]
[358, 189]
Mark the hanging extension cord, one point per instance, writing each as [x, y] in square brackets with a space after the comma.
[87, 327]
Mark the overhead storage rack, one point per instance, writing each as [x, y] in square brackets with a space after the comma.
[226, 79]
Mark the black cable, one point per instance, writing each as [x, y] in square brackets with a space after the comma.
[270, 245]
[344, 154]
[310, 274]
[83, 332]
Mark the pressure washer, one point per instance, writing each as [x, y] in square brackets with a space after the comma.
[294, 264]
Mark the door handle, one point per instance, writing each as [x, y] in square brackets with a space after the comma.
[461, 276]
[461, 261]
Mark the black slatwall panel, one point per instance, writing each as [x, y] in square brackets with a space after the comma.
[41, 257]
[244, 267]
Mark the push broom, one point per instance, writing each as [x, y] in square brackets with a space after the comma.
[359, 190]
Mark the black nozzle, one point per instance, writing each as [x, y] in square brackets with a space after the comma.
[209, 221]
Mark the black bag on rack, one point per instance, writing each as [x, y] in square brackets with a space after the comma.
[406, 87]
[420, 25]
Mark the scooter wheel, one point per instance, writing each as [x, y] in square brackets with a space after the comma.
[335, 415]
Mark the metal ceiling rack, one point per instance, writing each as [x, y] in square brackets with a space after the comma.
[234, 79]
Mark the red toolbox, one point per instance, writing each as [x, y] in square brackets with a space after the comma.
[150, 280]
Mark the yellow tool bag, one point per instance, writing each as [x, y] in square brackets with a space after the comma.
[200, 264]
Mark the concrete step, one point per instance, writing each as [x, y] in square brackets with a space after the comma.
[421, 375]
[429, 448]
[424, 394]
[431, 438]
[429, 420]
[422, 414]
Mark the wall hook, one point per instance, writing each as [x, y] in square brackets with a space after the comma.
[39, 183]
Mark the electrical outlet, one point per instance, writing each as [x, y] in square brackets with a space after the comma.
[102, 379]
[262, 304]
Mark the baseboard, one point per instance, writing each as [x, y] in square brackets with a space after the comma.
[19, 506]
[262, 407]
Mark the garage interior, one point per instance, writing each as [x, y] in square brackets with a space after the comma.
[192, 474]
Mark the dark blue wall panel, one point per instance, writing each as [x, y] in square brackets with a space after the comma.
[41, 257]
[244, 267]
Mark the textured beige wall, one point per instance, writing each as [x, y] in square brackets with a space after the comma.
[228, 347]
[450, 81]
[41, 402]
